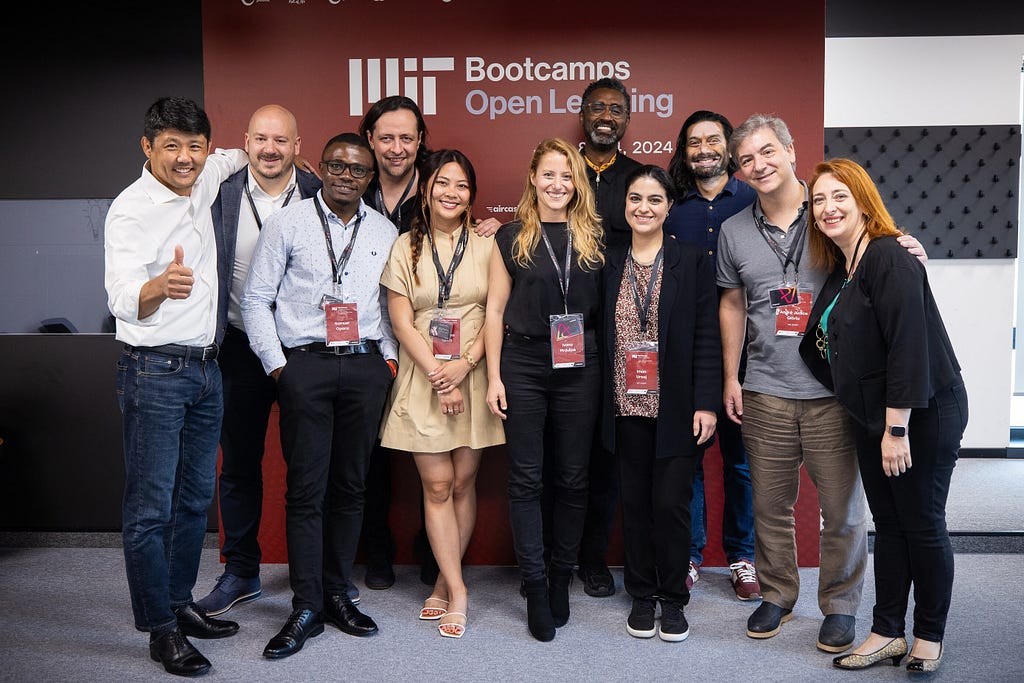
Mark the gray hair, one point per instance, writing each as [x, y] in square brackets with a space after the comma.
[755, 123]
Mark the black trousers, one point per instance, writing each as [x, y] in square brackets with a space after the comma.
[330, 412]
[602, 502]
[912, 544]
[565, 402]
[656, 496]
[249, 395]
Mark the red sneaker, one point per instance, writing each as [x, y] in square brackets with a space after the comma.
[744, 580]
[693, 575]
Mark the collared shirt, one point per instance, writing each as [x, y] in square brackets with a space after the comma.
[774, 366]
[249, 233]
[291, 272]
[144, 224]
[698, 221]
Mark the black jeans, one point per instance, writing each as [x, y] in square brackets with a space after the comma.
[249, 395]
[566, 401]
[911, 540]
[655, 512]
[330, 413]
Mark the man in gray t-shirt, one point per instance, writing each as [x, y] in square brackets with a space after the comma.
[787, 417]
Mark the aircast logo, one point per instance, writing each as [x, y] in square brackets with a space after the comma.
[371, 79]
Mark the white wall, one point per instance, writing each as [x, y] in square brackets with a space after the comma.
[946, 81]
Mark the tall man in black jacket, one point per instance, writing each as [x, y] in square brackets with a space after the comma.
[604, 115]
[246, 200]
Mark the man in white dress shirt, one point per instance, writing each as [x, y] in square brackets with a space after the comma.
[161, 282]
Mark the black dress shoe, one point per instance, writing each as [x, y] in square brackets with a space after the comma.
[837, 632]
[178, 656]
[380, 575]
[340, 611]
[301, 624]
[193, 622]
[597, 581]
[767, 619]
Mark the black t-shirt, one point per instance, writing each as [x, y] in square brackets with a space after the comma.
[403, 215]
[535, 291]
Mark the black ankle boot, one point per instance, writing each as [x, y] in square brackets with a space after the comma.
[558, 595]
[538, 610]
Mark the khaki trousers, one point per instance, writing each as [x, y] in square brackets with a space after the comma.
[781, 434]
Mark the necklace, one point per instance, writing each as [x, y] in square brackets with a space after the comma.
[603, 167]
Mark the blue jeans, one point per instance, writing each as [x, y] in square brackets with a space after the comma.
[738, 517]
[172, 409]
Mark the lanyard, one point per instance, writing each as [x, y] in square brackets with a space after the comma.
[444, 287]
[795, 247]
[394, 216]
[563, 278]
[643, 308]
[337, 266]
[853, 260]
[252, 204]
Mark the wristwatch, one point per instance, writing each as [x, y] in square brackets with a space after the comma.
[898, 431]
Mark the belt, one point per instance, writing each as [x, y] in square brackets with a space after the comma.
[202, 353]
[525, 337]
[368, 346]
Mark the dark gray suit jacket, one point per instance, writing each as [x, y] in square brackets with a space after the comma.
[225, 226]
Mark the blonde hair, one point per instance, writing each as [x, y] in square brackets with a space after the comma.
[584, 222]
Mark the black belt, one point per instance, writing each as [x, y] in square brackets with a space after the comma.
[202, 353]
[368, 346]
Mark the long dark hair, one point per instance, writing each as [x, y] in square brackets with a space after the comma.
[428, 171]
[677, 167]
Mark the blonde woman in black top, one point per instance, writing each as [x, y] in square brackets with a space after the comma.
[540, 336]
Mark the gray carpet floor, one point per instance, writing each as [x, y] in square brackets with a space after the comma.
[66, 617]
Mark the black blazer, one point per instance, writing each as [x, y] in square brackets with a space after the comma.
[889, 346]
[225, 212]
[689, 345]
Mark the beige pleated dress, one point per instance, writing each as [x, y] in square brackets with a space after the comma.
[414, 421]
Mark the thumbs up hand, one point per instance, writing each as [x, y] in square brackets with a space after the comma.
[177, 278]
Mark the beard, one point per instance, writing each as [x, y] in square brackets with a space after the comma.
[709, 172]
[604, 139]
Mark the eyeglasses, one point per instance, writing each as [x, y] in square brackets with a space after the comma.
[617, 110]
[338, 167]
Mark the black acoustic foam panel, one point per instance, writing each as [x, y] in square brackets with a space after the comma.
[953, 187]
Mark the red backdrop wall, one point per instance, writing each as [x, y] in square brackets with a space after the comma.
[494, 77]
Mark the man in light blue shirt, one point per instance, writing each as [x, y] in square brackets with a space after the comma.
[317, 318]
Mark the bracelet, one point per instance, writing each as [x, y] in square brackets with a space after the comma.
[469, 359]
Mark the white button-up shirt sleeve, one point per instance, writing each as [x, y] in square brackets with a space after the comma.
[142, 219]
[269, 262]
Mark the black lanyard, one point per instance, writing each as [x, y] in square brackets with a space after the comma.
[252, 204]
[444, 287]
[394, 216]
[563, 278]
[643, 308]
[337, 265]
[795, 247]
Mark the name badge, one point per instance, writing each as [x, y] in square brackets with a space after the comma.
[786, 295]
[445, 337]
[791, 320]
[342, 322]
[567, 341]
[642, 369]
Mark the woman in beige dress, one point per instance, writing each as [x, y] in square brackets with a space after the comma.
[436, 279]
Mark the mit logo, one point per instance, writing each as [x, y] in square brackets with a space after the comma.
[395, 80]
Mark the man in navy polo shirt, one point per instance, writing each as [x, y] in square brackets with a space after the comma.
[709, 193]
